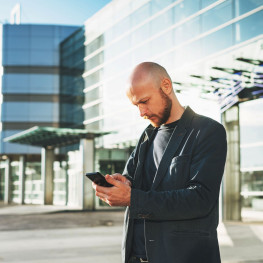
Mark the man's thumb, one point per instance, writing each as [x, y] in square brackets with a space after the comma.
[111, 180]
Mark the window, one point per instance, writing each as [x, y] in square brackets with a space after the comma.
[187, 31]
[30, 111]
[94, 61]
[205, 3]
[93, 78]
[158, 5]
[92, 112]
[217, 16]
[162, 22]
[94, 45]
[185, 9]
[244, 6]
[140, 14]
[217, 41]
[249, 27]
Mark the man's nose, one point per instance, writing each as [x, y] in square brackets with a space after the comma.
[142, 110]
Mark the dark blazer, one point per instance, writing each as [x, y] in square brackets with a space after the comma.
[181, 209]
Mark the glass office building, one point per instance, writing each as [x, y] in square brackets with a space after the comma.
[210, 48]
[186, 37]
[30, 80]
[71, 81]
[30, 96]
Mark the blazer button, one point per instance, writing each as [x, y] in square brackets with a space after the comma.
[144, 216]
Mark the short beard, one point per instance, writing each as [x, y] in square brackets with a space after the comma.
[165, 114]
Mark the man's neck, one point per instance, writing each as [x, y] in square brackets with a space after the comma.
[176, 114]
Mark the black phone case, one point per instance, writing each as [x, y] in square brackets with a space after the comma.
[98, 179]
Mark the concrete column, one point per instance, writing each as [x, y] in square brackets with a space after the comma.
[232, 176]
[87, 161]
[67, 191]
[7, 198]
[47, 174]
[22, 166]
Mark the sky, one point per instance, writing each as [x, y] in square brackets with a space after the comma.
[65, 12]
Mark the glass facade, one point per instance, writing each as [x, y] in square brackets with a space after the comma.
[30, 80]
[2, 183]
[30, 83]
[15, 197]
[60, 183]
[74, 175]
[196, 41]
[30, 111]
[251, 130]
[30, 96]
[71, 81]
[176, 34]
[33, 183]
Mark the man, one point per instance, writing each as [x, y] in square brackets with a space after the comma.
[171, 181]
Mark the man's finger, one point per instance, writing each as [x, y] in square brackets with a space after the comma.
[110, 179]
[94, 186]
[118, 177]
[121, 178]
[100, 189]
[101, 196]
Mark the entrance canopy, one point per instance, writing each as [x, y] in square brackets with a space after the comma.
[229, 77]
[53, 137]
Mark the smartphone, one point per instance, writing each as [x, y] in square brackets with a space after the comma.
[98, 179]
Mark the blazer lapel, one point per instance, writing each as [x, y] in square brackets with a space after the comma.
[141, 155]
[172, 146]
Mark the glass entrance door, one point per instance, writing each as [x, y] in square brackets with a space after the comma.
[251, 131]
[2, 181]
[33, 183]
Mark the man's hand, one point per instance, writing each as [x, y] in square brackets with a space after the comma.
[117, 195]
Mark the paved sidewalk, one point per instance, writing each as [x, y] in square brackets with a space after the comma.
[14, 209]
[52, 234]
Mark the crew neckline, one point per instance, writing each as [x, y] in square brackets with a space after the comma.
[169, 125]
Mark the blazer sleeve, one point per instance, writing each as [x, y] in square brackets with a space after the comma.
[201, 193]
[130, 166]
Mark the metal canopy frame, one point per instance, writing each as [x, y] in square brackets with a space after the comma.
[52, 137]
[237, 85]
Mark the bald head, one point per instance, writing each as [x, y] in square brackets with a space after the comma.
[151, 90]
[149, 71]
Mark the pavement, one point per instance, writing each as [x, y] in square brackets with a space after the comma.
[56, 234]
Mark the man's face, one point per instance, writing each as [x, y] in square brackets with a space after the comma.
[152, 102]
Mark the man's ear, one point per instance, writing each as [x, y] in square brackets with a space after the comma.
[166, 86]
